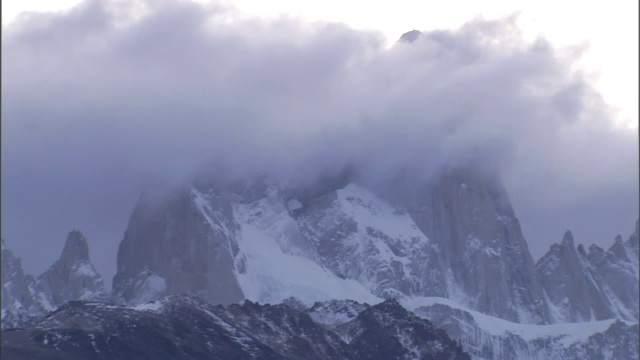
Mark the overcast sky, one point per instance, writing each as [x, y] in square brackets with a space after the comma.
[101, 101]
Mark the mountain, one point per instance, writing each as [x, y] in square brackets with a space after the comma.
[179, 242]
[449, 249]
[483, 254]
[185, 327]
[20, 301]
[455, 237]
[596, 285]
[72, 277]
[263, 241]
[489, 338]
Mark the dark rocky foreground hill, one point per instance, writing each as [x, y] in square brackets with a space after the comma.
[185, 327]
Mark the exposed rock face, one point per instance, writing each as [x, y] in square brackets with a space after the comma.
[484, 257]
[180, 242]
[20, 302]
[184, 327]
[72, 277]
[359, 236]
[570, 285]
[591, 286]
[410, 36]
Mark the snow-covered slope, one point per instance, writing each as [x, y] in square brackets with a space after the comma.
[275, 262]
[490, 338]
[487, 338]
[358, 236]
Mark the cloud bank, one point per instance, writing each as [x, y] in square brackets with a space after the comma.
[110, 97]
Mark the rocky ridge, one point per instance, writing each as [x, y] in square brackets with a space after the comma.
[593, 285]
[185, 327]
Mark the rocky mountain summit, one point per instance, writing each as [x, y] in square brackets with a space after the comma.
[72, 277]
[593, 285]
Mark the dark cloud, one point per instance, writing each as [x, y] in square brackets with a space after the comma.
[98, 104]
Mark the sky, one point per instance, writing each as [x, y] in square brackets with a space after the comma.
[105, 98]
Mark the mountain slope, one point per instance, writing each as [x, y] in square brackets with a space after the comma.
[484, 256]
[20, 301]
[490, 338]
[72, 277]
[185, 327]
[596, 285]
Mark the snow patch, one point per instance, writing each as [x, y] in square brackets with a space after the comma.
[567, 333]
[202, 203]
[84, 268]
[275, 269]
[368, 210]
[294, 204]
[154, 306]
[272, 276]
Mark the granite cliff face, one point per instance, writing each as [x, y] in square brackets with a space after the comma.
[482, 253]
[179, 242]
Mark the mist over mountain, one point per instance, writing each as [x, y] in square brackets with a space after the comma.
[104, 101]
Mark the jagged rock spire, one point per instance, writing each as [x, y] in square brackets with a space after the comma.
[75, 248]
[567, 239]
[596, 285]
[72, 276]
